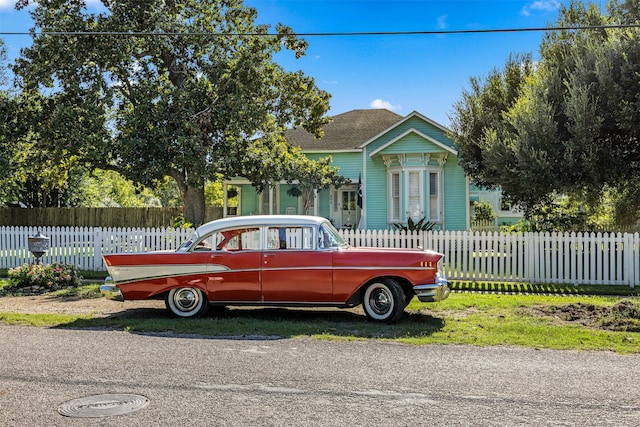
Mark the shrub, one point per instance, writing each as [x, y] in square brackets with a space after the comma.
[483, 212]
[47, 277]
[422, 225]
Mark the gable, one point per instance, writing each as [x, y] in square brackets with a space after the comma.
[412, 141]
[430, 131]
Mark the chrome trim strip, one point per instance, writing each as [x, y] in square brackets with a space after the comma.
[308, 267]
[132, 273]
[281, 303]
[135, 273]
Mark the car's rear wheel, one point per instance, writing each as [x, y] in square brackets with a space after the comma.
[186, 302]
[384, 301]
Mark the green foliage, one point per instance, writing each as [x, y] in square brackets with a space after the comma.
[102, 188]
[49, 277]
[571, 213]
[570, 125]
[185, 106]
[483, 212]
[3, 59]
[421, 225]
[181, 222]
[214, 194]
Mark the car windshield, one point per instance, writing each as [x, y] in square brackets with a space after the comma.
[187, 244]
[330, 237]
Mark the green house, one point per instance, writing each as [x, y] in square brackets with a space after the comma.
[401, 167]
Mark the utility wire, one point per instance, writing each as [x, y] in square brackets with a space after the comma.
[327, 34]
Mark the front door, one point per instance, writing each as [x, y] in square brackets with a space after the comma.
[349, 213]
[345, 209]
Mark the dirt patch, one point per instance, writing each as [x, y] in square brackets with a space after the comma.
[622, 316]
[102, 307]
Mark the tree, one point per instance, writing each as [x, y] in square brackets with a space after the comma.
[195, 94]
[484, 139]
[574, 126]
[39, 131]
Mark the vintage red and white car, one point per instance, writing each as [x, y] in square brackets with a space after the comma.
[277, 260]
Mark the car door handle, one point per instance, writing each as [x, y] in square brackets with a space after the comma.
[268, 255]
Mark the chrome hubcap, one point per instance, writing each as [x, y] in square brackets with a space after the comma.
[380, 301]
[186, 299]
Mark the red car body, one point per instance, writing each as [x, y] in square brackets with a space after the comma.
[277, 260]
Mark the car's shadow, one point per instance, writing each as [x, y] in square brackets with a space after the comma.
[271, 314]
[265, 322]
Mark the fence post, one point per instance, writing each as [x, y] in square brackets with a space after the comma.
[97, 248]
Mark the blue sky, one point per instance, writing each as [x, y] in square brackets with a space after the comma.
[403, 73]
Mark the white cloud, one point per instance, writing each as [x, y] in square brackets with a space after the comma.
[380, 104]
[541, 5]
[442, 22]
[7, 4]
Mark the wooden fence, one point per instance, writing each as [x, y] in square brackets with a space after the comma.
[97, 217]
[575, 258]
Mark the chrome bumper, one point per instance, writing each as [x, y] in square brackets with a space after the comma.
[111, 291]
[433, 292]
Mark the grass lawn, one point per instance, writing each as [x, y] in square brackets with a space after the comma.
[550, 317]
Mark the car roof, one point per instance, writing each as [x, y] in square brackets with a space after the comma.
[257, 220]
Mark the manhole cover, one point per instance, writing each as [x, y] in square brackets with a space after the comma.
[103, 405]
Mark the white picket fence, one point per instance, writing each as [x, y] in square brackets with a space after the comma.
[574, 258]
[84, 246]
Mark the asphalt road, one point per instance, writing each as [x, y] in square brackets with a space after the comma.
[195, 381]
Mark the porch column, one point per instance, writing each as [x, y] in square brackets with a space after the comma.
[225, 199]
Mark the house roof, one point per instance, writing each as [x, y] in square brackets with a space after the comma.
[347, 130]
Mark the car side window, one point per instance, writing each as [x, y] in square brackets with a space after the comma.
[236, 239]
[289, 238]
[326, 239]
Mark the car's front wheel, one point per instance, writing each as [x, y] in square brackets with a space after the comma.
[384, 301]
[186, 302]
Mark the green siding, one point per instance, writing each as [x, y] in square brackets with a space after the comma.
[349, 164]
[376, 199]
[456, 205]
[323, 204]
[286, 200]
[249, 200]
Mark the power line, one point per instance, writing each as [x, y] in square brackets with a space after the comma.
[325, 34]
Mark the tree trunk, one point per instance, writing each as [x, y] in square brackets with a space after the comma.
[192, 199]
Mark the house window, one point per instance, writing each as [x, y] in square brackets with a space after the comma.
[504, 205]
[434, 197]
[394, 191]
[414, 197]
[415, 193]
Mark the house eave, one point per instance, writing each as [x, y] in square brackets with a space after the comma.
[352, 150]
